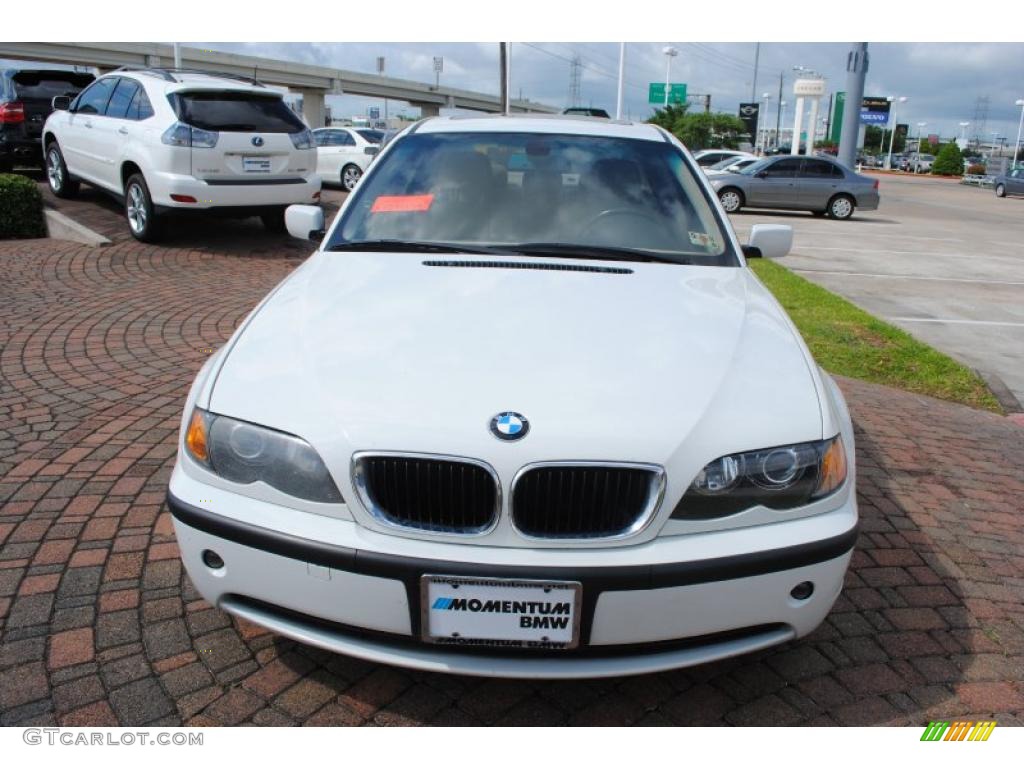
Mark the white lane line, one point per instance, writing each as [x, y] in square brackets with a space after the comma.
[909, 277]
[952, 322]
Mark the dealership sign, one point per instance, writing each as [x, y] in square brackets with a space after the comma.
[748, 114]
[874, 110]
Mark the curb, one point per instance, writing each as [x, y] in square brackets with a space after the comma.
[1003, 394]
[60, 227]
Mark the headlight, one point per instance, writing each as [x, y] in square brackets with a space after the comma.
[244, 453]
[303, 139]
[778, 478]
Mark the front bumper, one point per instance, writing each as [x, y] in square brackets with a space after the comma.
[642, 612]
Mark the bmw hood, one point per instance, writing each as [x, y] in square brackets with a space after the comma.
[627, 362]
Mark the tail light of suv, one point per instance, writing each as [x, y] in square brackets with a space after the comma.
[12, 112]
[182, 135]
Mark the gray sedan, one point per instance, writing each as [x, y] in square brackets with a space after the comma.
[1010, 184]
[814, 184]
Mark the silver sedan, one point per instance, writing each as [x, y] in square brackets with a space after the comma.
[814, 184]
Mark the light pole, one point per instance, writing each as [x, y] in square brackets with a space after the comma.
[892, 116]
[670, 53]
[762, 134]
[438, 69]
[778, 134]
[1020, 126]
[622, 81]
[917, 152]
[995, 135]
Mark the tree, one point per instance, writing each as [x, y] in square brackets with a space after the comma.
[950, 161]
[701, 130]
[668, 117]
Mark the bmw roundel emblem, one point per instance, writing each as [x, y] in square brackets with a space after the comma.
[257, 141]
[509, 426]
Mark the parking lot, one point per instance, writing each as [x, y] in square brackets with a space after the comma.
[100, 626]
[941, 260]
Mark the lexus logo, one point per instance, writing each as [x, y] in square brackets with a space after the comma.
[257, 141]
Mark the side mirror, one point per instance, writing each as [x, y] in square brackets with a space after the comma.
[61, 103]
[772, 241]
[762, 174]
[306, 222]
[371, 150]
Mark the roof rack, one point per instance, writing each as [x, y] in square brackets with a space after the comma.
[169, 74]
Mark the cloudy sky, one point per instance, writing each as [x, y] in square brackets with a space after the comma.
[942, 80]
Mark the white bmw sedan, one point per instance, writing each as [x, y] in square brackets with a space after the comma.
[525, 412]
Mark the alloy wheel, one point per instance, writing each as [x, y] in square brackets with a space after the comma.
[136, 209]
[54, 172]
[350, 176]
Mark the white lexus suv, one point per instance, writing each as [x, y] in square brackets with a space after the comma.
[162, 139]
[524, 412]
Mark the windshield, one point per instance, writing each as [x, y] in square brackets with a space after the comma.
[235, 111]
[753, 168]
[513, 190]
[721, 165]
[370, 135]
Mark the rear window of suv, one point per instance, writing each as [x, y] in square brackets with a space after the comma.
[235, 111]
[40, 85]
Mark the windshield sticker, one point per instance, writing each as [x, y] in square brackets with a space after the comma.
[702, 239]
[402, 204]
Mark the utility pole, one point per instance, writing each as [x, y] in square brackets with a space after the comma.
[504, 78]
[856, 74]
[778, 111]
[670, 53]
[622, 81]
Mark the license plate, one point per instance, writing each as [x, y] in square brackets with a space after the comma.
[506, 613]
[256, 164]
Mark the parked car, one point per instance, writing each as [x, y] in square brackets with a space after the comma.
[920, 163]
[707, 157]
[1012, 183]
[344, 154]
[503, 425]
[161, 139]
[815, 184]
[25, 103]
[730, 165]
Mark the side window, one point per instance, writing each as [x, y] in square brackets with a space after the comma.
[345, 139]
[122, 98]
[322, 139]
[817, 169]
[93, 100]
[140, 109]
[783, 169]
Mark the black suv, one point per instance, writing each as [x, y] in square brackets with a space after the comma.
[25, 103]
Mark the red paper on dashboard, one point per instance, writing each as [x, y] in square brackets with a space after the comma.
[402, 203]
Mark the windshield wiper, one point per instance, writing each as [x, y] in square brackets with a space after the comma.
[413, 246]
[598, 252]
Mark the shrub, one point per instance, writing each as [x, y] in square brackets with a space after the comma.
[21, 208]
[950, 161]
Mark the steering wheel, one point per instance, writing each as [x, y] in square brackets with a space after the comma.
[618, 212]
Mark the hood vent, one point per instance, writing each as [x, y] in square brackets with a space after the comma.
[529, 265]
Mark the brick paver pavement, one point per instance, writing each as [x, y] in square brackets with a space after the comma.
[99, 625]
